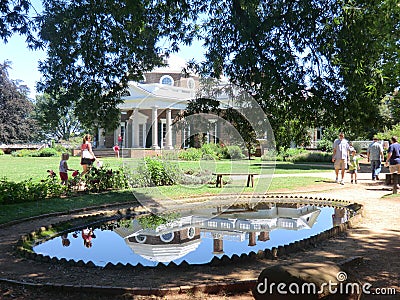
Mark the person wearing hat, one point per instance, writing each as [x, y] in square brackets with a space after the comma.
[375, 157]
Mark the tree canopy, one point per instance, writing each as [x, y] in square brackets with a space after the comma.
[306, 62]
[95, 47]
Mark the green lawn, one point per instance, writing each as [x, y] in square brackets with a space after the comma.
[21, 168]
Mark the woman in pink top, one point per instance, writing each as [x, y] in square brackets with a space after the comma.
[87, 155]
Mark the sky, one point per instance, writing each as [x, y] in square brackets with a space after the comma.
[25, 62]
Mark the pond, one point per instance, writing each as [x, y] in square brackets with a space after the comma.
[195, 236]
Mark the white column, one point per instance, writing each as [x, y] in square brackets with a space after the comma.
[101, 141]
[116, 133]
[135, 128]
[154, 130]
[128, 133]
[168, 134]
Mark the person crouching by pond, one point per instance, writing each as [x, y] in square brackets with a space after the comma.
[87, 155]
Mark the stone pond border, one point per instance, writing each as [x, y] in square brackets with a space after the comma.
[273, 254]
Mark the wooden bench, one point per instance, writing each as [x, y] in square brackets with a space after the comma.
[220, 182]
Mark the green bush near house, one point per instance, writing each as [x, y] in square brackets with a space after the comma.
[1, 152]
[190, 154]
[45, 152]
[311, 156]
[233, 152]
[297, 155]
[153, 171]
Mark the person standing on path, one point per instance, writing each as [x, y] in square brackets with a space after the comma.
[375, 157]
[340, 156]
[87, 155]
[354, 165]
[393, 158]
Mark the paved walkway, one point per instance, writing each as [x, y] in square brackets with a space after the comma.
[376, 238]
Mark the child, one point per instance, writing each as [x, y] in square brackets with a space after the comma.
[354, 165]
[116, 150]
[64, 168]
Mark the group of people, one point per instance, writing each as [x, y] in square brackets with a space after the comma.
[87, 236]
[344, 154]
[87, 160]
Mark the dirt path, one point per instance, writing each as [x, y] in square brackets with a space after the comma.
[376, 239]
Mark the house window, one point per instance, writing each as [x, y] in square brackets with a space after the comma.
[191, 84]
[167, 80]
[167, 237]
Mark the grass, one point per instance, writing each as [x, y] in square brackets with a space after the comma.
[21, 168]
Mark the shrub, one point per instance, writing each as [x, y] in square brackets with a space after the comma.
[269, 155]
[22, 153]
[46, 152]
[28, 191]
[102, 179]
[311, 156]
[153, 171]
[211, 151]
[234, 152]
[1, 152]
[190, 154]
[59, 148]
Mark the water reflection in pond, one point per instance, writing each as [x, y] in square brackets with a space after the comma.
[194, 236]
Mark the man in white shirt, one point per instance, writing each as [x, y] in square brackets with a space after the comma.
[340, 156]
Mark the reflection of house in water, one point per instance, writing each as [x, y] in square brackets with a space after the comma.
[176, 239]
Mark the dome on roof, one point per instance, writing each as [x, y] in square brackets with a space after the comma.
[175, 64]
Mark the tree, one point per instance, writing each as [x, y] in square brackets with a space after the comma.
[96, 47]
[16, 124]
[15, 18]
[308, 63]
[55, 120]
[362, 46]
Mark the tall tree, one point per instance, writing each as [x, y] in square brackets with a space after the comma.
[307, 62]
[15, 18]
[95, 47]
[268, 48]
[55, 120]
[16, 124]
[361, 42]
